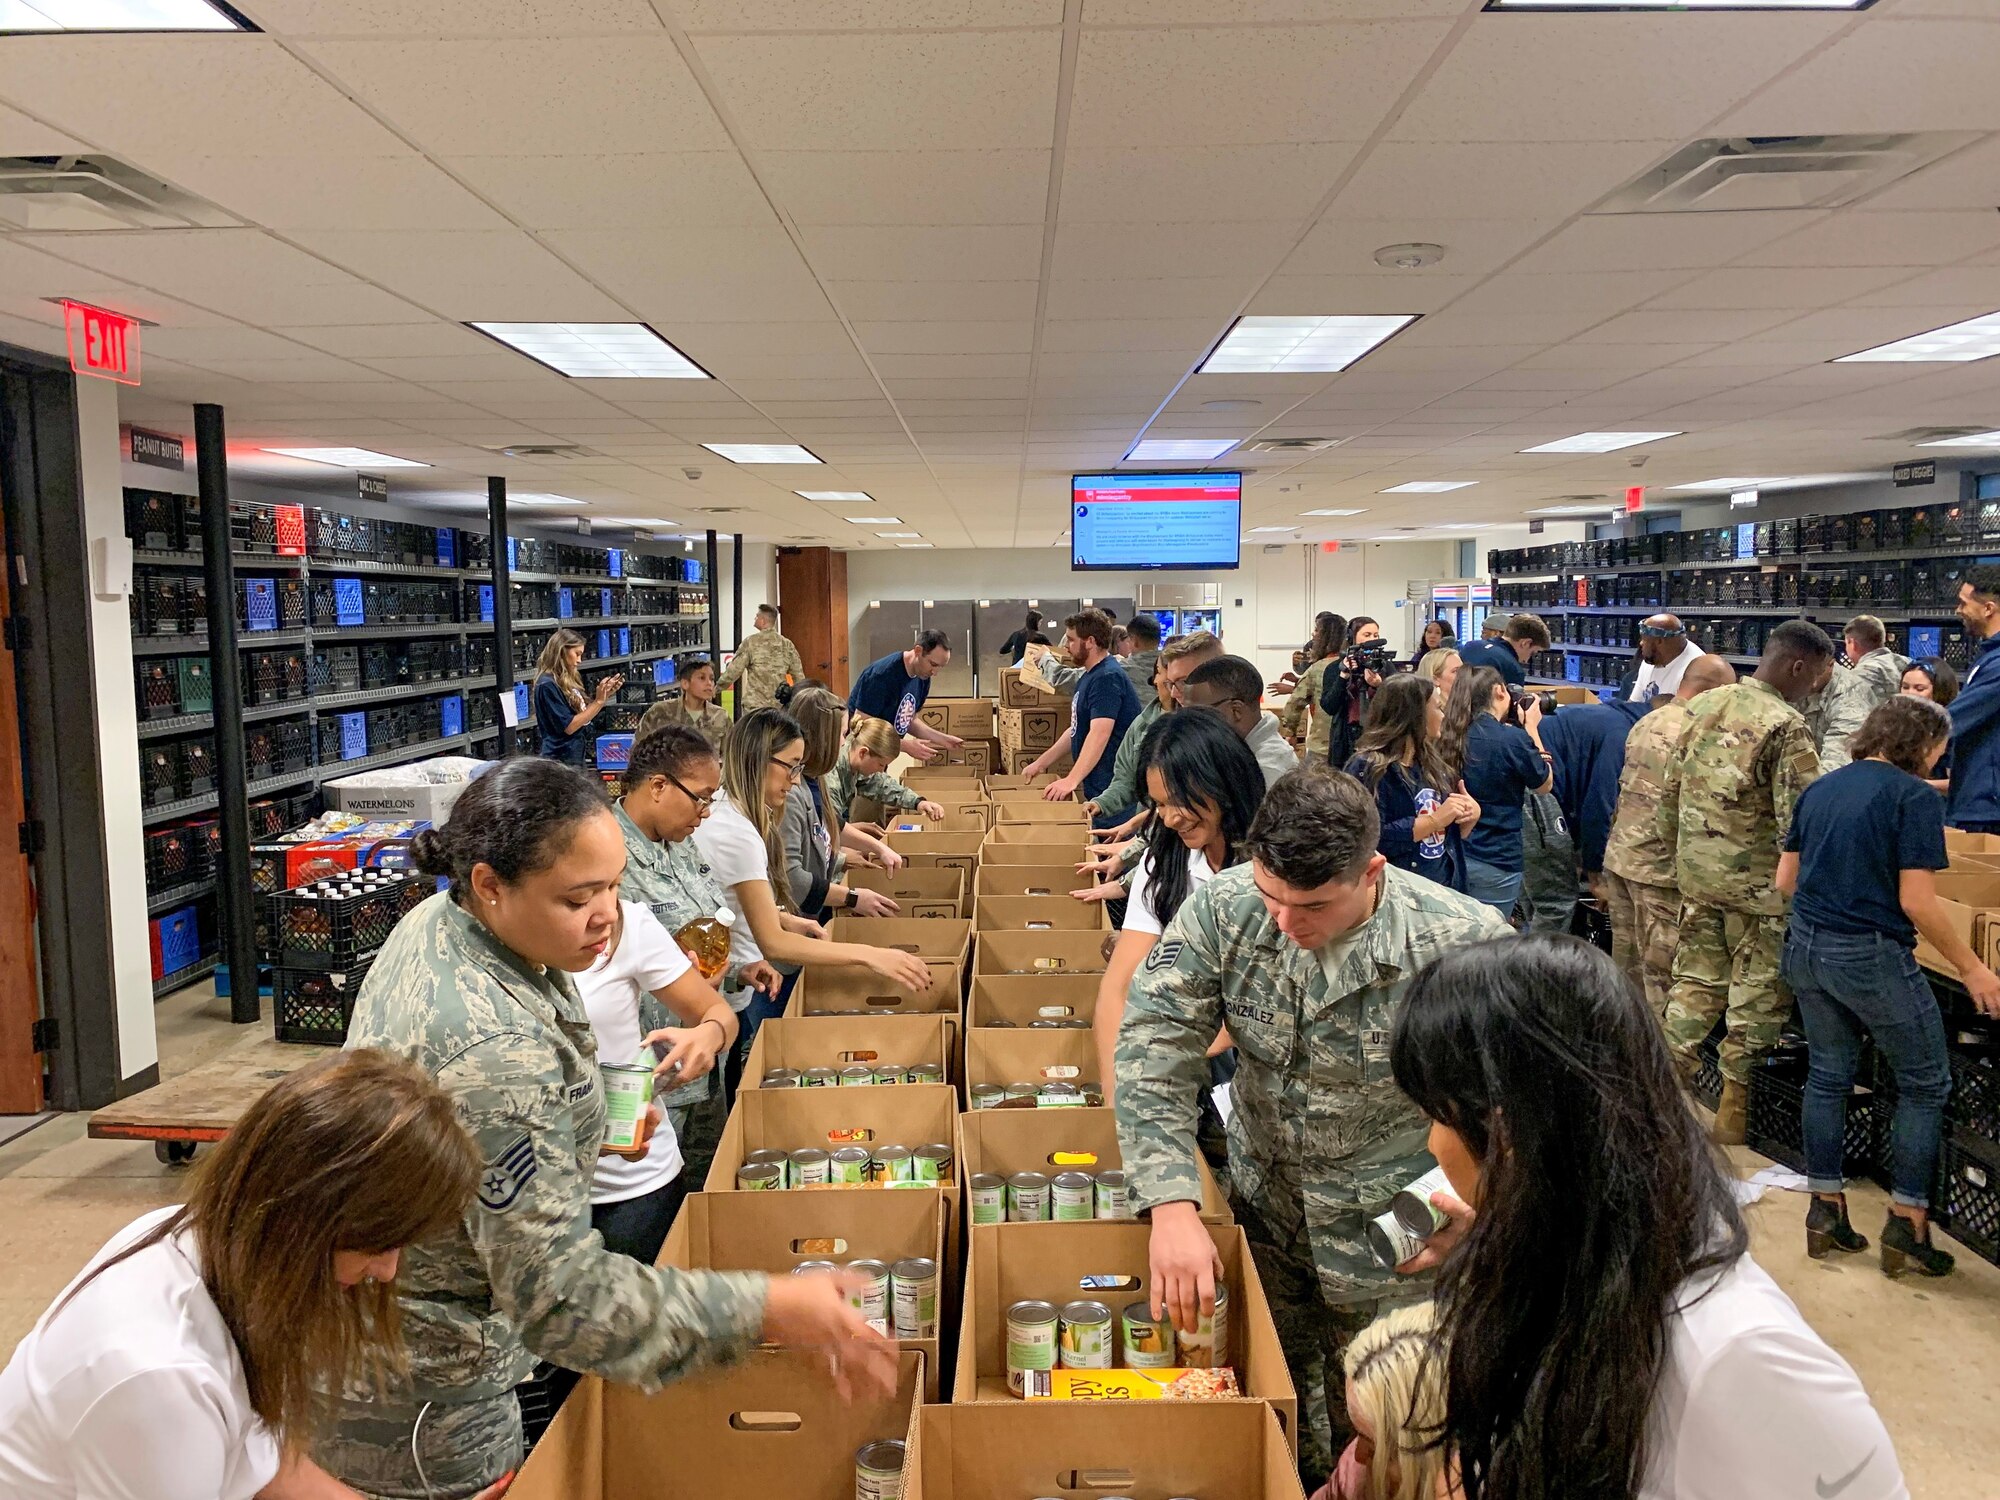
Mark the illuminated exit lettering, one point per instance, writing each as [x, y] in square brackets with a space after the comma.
[102, 343]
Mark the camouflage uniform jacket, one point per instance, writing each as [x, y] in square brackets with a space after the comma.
[524, 1275]
[713, 721]
[1743, 758]
[1305, 696]
[1638, 849]
[1318, 1120]
[763, 660]
[843, 785]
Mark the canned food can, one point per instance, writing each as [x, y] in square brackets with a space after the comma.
[988, 1192]
[850, 1164]
[914, 1290]
[1149, 1341]
[885, 1073]
[813, 1267]
[931, 1163]
[819, 1078]
[782, 1160]
[1070, 1196]
[810, 1167]
[1093, 1095]
[627, 1093]
[1111, 1195]
[856, 1076]
[1206, 1345]
[925, 1073]
[759, 1177]
[1030, 1091]
[1413, 1207]
[1059, 1096]
[1086, 1336]
[1031, 1343]
[782, 1078]
[872, 1301]
[987, 1095]
[878, 1471]
[892, 1164]
[1027, 1198]
[1392, 1241]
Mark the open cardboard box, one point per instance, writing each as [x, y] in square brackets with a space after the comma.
[929, 848]
[943, 943]
[825, 991]
[1049, 1056]
[1958, 841]
[981, 755]
[775, 1232]
[1017, 691]
[1023, 852]
[1009, 1263]
[1026, 880]
[1137, 1450]
[801, 1042]
[1069, 833]
[1013, 1001]
[1038, 953]
[1009, 1140]
[1055, 913]
[771, 1424]
[959, 817]
[1039, 811]
[929, 894]
[938, 773]
[995, 785]
[968, 718]
[1971, 904]
[911, 1114]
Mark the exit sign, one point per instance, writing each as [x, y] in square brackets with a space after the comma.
[1635, 499]
[102, 343]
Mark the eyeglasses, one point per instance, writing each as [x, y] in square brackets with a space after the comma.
[701, 802]
[795, 769]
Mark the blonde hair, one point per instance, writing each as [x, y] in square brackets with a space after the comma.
[877, 736]
[746, 757]
[1433, 663]
[1195, 643]
[1395, 1369]
[553, 662]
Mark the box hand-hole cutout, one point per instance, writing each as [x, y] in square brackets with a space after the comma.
[819, 1249]
[1094, 1480]
[765, 1421]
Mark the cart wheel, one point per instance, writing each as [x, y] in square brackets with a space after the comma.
[174, 1153]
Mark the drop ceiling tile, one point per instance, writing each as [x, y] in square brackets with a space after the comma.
[806, 390]
[1865, 327]
[909, 187]
[869, 15]
[1852, 238]
[1684, 326]
[1170, 297]
[581, 94]
[206, 346]
[845, 365]
[1209, 87]
[1612, 359]
[969, 389]
[443, 18]
[1200, 182]
[1421, 293]
[1251, 12]
[1204, 247]
[392, 340]
[904, 367]
[1885, 75]
[721, 275]
[21, 135]
[1184, 336]
[984, 253]
[1643, 242]
[705, 341]
[1482, 180]
[1975, 288]
[467, 274]
[1009, 337]
[1749, 287]
[1600, 292]
[1968, 178]
[639, 190]
[888, 91]
[898, 301]
[316, 191]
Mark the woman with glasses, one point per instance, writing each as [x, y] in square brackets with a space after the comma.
[1935, 680]
[743, 840]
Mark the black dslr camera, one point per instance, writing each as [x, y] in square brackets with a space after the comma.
[1518, 699]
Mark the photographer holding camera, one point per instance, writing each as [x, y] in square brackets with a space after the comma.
[1509, 653]
[1350, 686]
[1492, 744]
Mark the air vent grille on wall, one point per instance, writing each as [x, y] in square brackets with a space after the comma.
[95, 193]
[1779, 172]
[1289, 445]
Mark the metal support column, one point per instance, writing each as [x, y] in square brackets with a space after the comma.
[715, 619]
[736, 591]
[503, 599]
[234, 900]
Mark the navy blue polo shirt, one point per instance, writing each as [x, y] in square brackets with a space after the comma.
[1502, 766]
[1104, 692]
[1855, 831]
[887, 691]
[1498, 655]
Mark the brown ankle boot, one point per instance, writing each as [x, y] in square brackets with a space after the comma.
[1731, 1113]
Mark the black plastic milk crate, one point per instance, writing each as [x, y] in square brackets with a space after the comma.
[1968, 1201]
[336, 669]
[313, 1005]
[334, 924]
[1777, 1099]
[170, 858]
[538, 1404]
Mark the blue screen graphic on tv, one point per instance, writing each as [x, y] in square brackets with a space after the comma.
[1155, 521]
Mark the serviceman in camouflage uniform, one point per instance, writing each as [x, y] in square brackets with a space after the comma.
[695, 707]
[1304, 952]
[1743, 757]
[1638, 879]
[533, 853]
[764, 660]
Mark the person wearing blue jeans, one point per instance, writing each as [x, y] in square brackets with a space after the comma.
[1498, 761]
[1859, 864]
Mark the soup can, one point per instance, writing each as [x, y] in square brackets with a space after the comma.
[1086, 1336]
[1031, 1345]
[819, 1078]
[878, 1471]
[1111, 1202]
[1059, 1096]
[1071, 1196]
[759, 1177]
[1206, 1345]
[988, 1192]
[810, 1167]
[1148, 1341]
[872, 1301]
[1413, 1207]
[1027, 1198]
[892, 1164]
[782, 1078]
[856, 1076]
[914, 1292]
[1032, 1092]
[782, 1160]
[987, 1095]
[627, 1094]
[889, 1073]
[850, 1164]
[931, 1163]
[925, 1073]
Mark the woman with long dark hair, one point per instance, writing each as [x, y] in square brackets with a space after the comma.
[1935, 680]
[1604, 1333]
[1321, 652]
[1499, 761]
[1425, 810]
[1205, 787]
[1349, 686]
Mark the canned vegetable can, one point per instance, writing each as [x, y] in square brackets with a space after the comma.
[878, 1471]
[892, 1164]
[627, 1092]
[987, 1095]
[914, 1291]
[1071, 1196]
[1027, 1198]
[810, 1167]
[1111, 1202]
[1059, 1096]
[1413, 1207]
[925, 1073]
[813, 1267]
[1086, 1336]
[819, 1078]
[781, 1078]
[1031, 1343]
[850, 1164]
[931, 1163]
[872, 1301]
[857, 1076]
[759, 1177]
[1392, 1241]
[886, 1073]
[782, 1160]
[988, 1191]
[1206, 1345]
[1149, 1341]
[1019, 1091]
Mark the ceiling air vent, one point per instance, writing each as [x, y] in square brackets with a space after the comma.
[544, 450]
[1288, 445]
[1924, 435]
[1779, 172]
[96, 192]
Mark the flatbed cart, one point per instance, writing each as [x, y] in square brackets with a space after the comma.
[200, 1106]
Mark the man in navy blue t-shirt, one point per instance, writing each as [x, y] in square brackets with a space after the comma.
[1104, 705]
[1521, 638]
[895, 687]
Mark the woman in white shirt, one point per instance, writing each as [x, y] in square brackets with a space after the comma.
[1205, 784]
[762, 760]
[186, 1362]
[1604, 1333]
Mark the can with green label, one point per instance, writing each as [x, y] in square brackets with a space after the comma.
[872, 1301]
[810, 1167]
[1031, 1345]
[1086, 1336]
[759, 1177]
[1071, 1196]
[988, 1192]
[931, 1163]
[892, 1164]
[1148, 1341]
[857, 1076]
[1111, 1201]
[782, 1160]
[914, 1292]
[628, 1092]
[925, 1073]
[781, 1078]
[988, 1095]
[1027, 1198]
[850, 1164]
[819, 1078]
[1059, 1096]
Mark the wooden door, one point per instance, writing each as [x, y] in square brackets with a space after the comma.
[812, 593]
[20, 989]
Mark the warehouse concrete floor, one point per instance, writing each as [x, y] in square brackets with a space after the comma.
[1928, 1351]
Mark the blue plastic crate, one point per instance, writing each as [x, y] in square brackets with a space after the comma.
[624, 640]
[614, 752]
[663, 671]
[603, 642]
[604, 601]
[451, 715]
[690, 570]
[565, 604]
[260, 596]
[178, 937]
[486, 603]
[523, 709]
[1572, 668]
[348, 608]
[614, 562]
[513, 553]
[353, 736]
[447, 547]
[1926, 641]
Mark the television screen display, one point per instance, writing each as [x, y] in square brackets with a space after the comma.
[1155, 521]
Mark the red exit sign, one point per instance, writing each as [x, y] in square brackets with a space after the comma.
[102, 343]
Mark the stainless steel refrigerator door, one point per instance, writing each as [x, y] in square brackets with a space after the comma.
[954, 618]
[889, 625]
[993, 620]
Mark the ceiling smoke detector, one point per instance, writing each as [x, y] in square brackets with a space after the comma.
[1735, 173]
[96, 193]
[1290, 445]
[1408, 257]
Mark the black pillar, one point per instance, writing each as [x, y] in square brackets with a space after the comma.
[234, 900]
[736, 590]
[715, 618]
[503, 599]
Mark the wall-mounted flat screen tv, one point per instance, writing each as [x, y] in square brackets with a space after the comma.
[1129, 522]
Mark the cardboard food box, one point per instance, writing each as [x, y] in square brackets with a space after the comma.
[770, 1424]
[1009, 1263]
[802, 1042]
[1005, 1057]
[854, 993]
[1071, 832]
[1004, 1001]
[926, 849]
[959, 817]
[1026, 880]
[775, 1232]
[1149, 1449]
[938, 773]
[1019, 690]
[1971, 904]
[1031, 728]
[910, 1114]
[1958, 841]
[999, 794]
[1566, 695]
[942, 943]
[1015, 761]
[982, 755]
[924, 893]
[1038, 914]
[1038, 953]
[998, 784]
[1023, 1139]
[1044, 844]
[1039, 811]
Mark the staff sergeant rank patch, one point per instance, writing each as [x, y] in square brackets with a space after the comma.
[1163, 955]
[501, 1183]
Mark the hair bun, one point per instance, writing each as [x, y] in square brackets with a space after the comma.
[787, 690]
[430, 851]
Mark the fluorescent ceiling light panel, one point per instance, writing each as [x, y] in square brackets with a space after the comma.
[895, 535]
[1429, 487]
[1599, 442]
[1970, 440]
[116, 15]
[1182, 450]
[1607, 5]
[1777, 481]
[1956, 343]
[1574, 510]
[761, 453]
[596, 351]
[532, 501]
[873, 520]
[1362, 511]
[912, 546]
[837, 497]
[348, 458]
[1300, 345]
[643, 521]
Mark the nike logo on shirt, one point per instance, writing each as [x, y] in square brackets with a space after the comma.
[1828, 1489]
